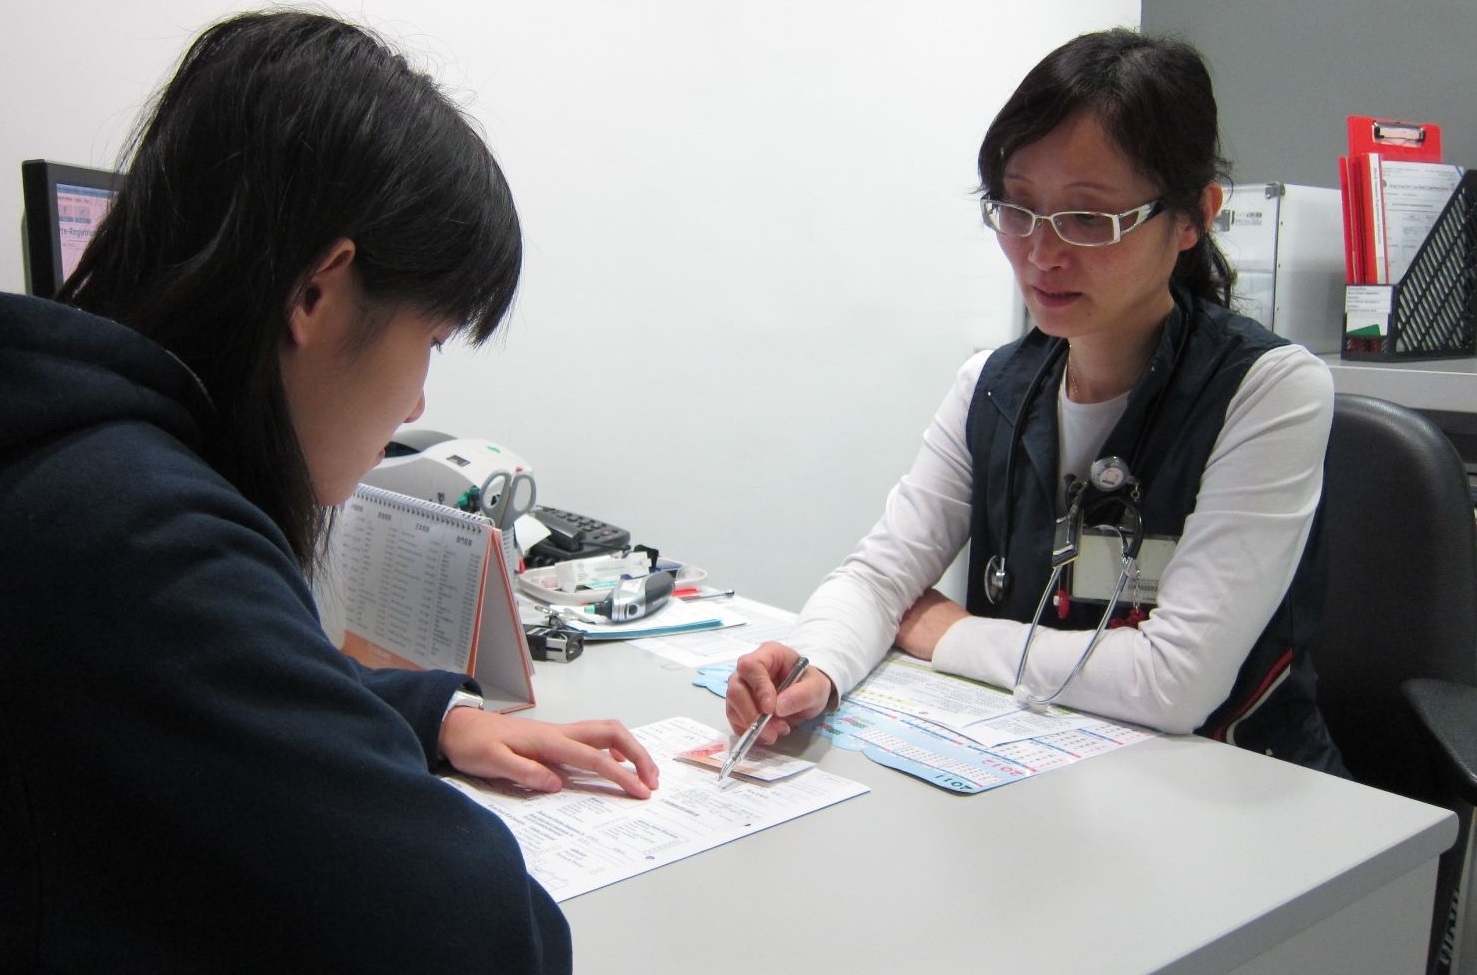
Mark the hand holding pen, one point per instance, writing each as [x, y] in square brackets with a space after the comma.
[741, 750]
[751, 692]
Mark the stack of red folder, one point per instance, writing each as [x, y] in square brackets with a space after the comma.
[1372, 143]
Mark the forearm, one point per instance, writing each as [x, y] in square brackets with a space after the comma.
[420, 697]
[851, 620]
[1131, 676]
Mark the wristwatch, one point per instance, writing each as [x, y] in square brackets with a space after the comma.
[462, 698]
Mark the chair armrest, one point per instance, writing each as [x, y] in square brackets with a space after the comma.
[1448, 711]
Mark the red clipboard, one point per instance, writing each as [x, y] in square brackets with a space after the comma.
[1392, 139]
[1372, 140]
[1353, 226]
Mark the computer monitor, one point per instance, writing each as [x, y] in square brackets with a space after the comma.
[63, 206]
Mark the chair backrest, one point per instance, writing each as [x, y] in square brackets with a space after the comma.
[1398, 544]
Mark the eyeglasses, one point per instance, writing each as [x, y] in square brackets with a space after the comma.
[1083, 228]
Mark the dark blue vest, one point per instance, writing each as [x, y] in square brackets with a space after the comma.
[1174, 414]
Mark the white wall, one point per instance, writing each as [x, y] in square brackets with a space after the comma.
[753, 257]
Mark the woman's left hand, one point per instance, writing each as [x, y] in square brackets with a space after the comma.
[527, 752]
[926, 622]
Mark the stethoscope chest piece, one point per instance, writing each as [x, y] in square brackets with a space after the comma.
[995, 578]
[1108, 474]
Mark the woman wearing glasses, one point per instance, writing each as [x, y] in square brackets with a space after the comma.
[1140, 417]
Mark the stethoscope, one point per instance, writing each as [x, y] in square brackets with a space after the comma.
[1109, 475]
[1113, 479]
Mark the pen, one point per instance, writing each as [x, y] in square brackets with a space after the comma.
[692, 594]
[752, 735]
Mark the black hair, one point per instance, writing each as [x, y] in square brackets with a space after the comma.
[280, 134]
[1154, 98]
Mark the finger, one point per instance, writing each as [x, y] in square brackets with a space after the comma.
[616, 738]
[800, 702]
[526, 773]
[739, 704]
[738, 719]
[752, 678]
[806, 698]
[577, 754]
[751, 688]
[647, 771]
[774, 730]
[605, 746]
[636, 754]
[760, 670]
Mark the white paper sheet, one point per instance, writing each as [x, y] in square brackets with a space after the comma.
[591, 834]
[984, 714]
[705, 647]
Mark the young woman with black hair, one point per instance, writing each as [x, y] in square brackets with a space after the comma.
[192, 778]
[1138, 404]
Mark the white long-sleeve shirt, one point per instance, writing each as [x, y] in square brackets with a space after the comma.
[1229, 572]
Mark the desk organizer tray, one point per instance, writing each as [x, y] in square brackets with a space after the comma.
[1429, 313]
[540, 584]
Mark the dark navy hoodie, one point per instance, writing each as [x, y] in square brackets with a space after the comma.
[192, 777]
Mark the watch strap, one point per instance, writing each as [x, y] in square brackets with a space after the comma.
[463, 698]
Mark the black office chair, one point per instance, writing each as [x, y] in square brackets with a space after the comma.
[1398, 543]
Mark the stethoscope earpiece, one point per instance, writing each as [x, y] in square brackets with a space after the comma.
[1027, 699]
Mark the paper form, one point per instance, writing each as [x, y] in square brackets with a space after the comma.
[1414, 194]
[719, 646]
[955, 762]
[954, 733]
[592, 834]
[985, 714]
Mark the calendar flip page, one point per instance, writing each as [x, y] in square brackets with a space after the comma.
[425, 587]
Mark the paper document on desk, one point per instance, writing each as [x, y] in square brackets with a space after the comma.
[592, 834]
[722, 645]
[979, 712]
[955, 733]
[962, 735]
[952, 761]
[673, 618]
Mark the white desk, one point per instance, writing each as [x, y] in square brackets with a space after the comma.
[1447, 385]
[1171, 855]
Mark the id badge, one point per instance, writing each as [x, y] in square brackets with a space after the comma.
[1100, 560]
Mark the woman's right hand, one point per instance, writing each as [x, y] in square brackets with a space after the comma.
[751, 692]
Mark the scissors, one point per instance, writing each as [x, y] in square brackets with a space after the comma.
[508, 496]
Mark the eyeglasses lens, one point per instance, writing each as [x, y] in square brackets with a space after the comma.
[1081, 227]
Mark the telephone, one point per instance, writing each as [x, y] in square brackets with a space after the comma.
[573, 536]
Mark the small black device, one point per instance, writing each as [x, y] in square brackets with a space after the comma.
[574, 536]
[554, 642]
